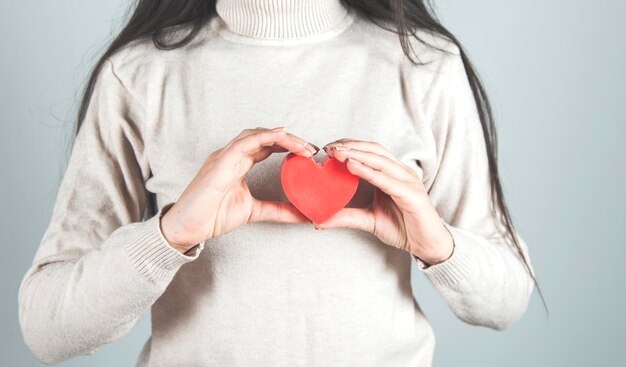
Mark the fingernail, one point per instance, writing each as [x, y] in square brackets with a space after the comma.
[309, 147]
[281, 128]
[317, 149]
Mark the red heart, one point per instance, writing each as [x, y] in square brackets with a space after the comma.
[317, 190]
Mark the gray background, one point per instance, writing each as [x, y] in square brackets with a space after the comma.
[555, 71]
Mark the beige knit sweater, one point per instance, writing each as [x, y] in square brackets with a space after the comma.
[266, 294]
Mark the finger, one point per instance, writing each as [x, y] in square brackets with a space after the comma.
[308, 146]
[390, 186]
[240, 154]
[357, 218]
[248, 132]
[378, 162]
[361, 145]
[275, 211]
[266, 152]
[250, 144]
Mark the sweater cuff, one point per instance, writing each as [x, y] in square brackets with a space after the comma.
[151, 254]
[459, 266]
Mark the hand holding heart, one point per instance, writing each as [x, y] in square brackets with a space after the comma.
[401, 214]
[218, 200]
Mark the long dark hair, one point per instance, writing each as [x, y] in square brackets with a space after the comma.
[151, 18]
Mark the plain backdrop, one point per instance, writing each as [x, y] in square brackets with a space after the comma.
[555, 71]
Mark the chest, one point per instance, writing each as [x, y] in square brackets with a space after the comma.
[200, 109]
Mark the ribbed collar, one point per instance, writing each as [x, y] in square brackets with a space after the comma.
[282, 20]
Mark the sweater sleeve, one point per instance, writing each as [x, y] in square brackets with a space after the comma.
[484, 282]
[98, 267]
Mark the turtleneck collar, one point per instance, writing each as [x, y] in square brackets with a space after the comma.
[281, 20]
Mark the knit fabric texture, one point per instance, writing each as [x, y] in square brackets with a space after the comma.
[267, 294]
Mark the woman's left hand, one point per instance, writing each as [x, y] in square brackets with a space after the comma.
[401, 213]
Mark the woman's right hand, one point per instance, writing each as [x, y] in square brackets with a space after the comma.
[217, 200]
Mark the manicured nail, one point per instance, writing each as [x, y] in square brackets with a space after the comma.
[281, 128]
[308, 146]
[341, 148]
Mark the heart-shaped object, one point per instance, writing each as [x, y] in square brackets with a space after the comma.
[318, 191]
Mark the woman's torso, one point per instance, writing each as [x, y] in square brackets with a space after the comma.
[271, 294]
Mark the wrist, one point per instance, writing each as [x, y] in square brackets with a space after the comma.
[170, 236]
[444, 251]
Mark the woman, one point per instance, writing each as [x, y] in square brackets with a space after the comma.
[182, 108]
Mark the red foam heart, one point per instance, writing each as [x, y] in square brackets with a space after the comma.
[318, 191]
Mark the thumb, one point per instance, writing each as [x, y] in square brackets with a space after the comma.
[276, 211]
[357, 218]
